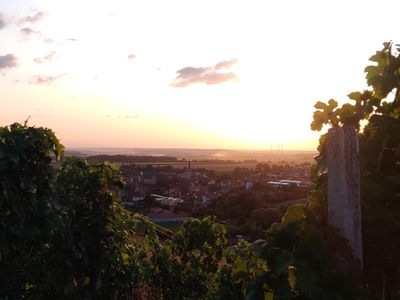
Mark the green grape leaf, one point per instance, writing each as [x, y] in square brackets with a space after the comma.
[294, 213]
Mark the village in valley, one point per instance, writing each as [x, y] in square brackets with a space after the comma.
[245, 195]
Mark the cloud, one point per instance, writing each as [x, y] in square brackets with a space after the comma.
[28, 32]
[216, 78]
[208, 75]
[225, 64]
[45, 80]
[131, 56]
[71, 40]
[8, 61]
[3, 22]
[130, 117]
[48, 40]
[46, 58]
[33, 19]
[124, 116]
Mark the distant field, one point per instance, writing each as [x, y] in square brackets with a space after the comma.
[228, 167]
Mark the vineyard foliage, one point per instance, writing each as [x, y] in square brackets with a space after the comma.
[378, 109]
[65, 235]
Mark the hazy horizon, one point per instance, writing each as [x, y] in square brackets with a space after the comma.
[183, 148]
[297, 156]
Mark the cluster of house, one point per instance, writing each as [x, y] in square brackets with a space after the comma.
[287, 182]
[169, 189]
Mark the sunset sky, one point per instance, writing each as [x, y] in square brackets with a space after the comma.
[192, 74]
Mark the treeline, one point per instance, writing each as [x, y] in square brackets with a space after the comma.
[280, 167]
[131, 159]
[220, 161]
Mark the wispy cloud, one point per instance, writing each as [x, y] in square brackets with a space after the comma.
[71, 40]
[13, 20]
[128, 117]
[3, 22]
[46, 58]
[45, 80]
[207, 75]
[124, 116]
[33, 19]
[8, 61]
[28, 32]
[225, 64]
[131, 56]
[48, 40]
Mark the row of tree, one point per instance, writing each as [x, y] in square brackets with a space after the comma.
[131, 159]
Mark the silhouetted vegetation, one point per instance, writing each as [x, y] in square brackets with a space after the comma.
[380, 167]
[65, 235]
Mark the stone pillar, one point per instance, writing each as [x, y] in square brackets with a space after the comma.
[344, 207]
